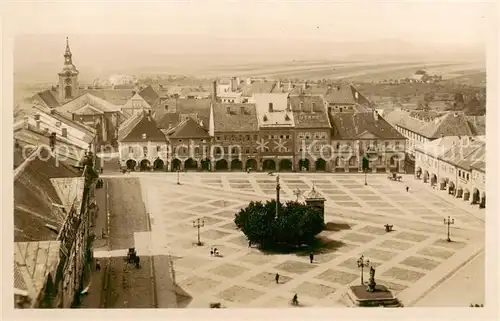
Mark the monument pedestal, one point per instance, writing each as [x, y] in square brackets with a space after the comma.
[381, 296]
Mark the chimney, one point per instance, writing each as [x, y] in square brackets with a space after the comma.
[214, 91]
[270, 107]
[38, 124]
[64, 132]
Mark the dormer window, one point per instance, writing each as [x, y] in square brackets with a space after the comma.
[287, 118]
[265, 118]
[58, 124]
[37, 117]
[144, 136]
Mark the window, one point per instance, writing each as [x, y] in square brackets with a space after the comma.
[270, 106]
[248, 137]
[130, 149]
[467, 176]
[158, 148]
[247, 151]
[301, 135]
[217, 138]
[287, 136]
[145, 150]
[196, 150]
[397, 144]
[386, 144]
[281, 136]
[352, 161]
[338, 146]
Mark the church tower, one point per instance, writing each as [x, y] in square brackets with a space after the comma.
[68, 78]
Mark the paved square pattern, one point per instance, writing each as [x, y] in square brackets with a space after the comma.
[414, 253]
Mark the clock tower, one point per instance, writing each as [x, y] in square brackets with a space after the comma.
[68, 78]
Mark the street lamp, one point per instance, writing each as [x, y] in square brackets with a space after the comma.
[362, 264]
[198, 223]
[449, 222]
[277, 194]
[178, 177]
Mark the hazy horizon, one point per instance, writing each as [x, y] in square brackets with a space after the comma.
[191, 37]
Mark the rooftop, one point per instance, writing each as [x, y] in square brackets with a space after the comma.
[188, 128]
[149, 95]
[33, 262]
[362, 125]
[309, 111]
[140, 127]
[235, 118]
[87, 99]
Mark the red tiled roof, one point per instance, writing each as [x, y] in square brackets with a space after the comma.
[149, 95]
[34, 195]
[188, 128]
[235, 118]
[351, 125]
[139, 124]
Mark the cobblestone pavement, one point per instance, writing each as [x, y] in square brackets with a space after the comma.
[409, 260]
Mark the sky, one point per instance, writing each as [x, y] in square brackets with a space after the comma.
[117, 32]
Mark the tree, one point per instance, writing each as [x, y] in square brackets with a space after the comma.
[296, 224]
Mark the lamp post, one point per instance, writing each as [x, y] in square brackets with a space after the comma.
[178, 177]
[277, 194]
[362, 264]
[449, 222]
[198, 223]
[366, 183]
[297, 193]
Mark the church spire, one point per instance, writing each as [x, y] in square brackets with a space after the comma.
[67, 54]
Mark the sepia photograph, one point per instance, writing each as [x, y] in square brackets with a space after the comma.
[294, 155]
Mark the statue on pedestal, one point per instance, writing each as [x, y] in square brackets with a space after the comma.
[371, 282]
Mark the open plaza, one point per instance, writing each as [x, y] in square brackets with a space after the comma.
[412, 260]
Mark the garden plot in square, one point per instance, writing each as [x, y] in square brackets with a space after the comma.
[348, 204]
[394, 287]
[379, 204]
[353, 186]
[379, 254]
[203, 209]
[339, 277]
[295, 266]
[195, 199]
[240, 240]
[420, 262]
[358, 238]
[352, 263]
[240, 186]
[208, 220]
[362, 192]
[395, 245]
[214, 234]
[226, 214]
[191, 262]
[334, 192]
[315, 290]
[182, 228]
[369, 198]
[340, 198]
[403, 274]
[222, 203]
[267, 279]
[372, 230]
[256, 258]
[346, 247]
[239, 294]
[229, 226]
[455, 245]
[412, 237]
[324, 257]
[228, 270]
[436, 252]
[196, 285]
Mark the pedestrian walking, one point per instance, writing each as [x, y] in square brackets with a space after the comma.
[277, 278]
[311, 257]
[216, 252]
[97, 266]
[407, 189]
[211, 252]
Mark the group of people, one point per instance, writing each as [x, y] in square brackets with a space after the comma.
[214, 251]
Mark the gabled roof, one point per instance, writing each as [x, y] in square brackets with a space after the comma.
[140, 127]
[87, 110]
[47, 97]
[439, 146]
[257, 88]
[341, 95]
[188, 128]
[464, 153]
[449, 124]
[115, 96]
[149, 95]
[309, 112]
[168, 119]
[352, 125]
[88, 99]
[33, 261]
[34, 195]
[235, 118]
